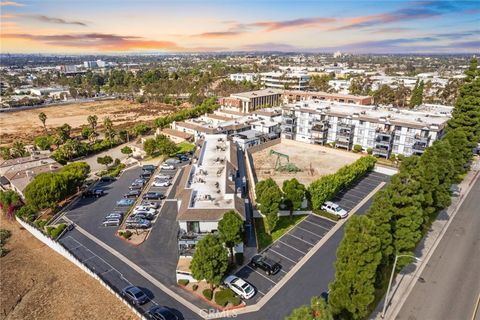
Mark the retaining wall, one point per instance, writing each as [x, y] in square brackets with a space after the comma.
[264, 145]
[59, 248]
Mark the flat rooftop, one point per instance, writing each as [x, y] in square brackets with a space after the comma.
[256, 93]
[434, 116]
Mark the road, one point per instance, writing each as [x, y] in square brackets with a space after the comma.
[452, 281]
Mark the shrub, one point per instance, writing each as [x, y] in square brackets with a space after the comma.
[239, 258]
[4, 235]
[370, 151]
[326, 187]
[392, 157]
[57, 231]
[26, 213]
[357, 148]
[127, 234]
[224, 296]
[326, 214]
[183, 282]
[40, 224]
[208, 293]
[235, 301]
[195, 287]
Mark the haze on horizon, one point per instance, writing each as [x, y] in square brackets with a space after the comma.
[194, 26]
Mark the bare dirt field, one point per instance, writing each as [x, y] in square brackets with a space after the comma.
[25, 125]
[37, 283]
[313, 161]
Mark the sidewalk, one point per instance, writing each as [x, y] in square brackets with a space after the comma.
[405, 280]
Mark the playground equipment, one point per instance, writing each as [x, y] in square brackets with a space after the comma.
[287, 167]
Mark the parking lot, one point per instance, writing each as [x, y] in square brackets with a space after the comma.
[296, 243]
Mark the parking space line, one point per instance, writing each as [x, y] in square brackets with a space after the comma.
[93, 256]
[260, 292]
[282, 255]
[316, 224]
[312, 244]
[292, 247]
[256, 271]
[348, 200]
[309, 232]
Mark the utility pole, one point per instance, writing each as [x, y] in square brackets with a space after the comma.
[391, 279]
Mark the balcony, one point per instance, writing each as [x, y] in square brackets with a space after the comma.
[381, 151]
[418, 148]
[320, 126]
[188, 240]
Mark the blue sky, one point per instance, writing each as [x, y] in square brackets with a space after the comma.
[72, 26]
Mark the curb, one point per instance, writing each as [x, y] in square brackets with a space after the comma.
[130, 243]
[240, 306]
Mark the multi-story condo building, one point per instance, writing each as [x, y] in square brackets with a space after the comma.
[246, 102]
[384, 130]
[285, 80]
[251, 77]
[290, 96]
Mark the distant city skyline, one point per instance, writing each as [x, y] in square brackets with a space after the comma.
[107, 27]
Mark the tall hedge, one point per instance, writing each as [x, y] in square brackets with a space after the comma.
[325, 188]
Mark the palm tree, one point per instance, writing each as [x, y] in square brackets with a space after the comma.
[108, 124]
[93, 120]
[18, 150]
[43, 118]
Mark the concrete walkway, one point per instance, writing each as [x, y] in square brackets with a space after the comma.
[408, 277]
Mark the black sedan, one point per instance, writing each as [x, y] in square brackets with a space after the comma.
[266, 264]
[162, 313]
[153, 196]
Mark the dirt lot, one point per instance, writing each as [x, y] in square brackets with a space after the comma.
[25, 125]
[313, 160]
[37, 283]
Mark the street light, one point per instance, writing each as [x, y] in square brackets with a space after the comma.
[391, 279]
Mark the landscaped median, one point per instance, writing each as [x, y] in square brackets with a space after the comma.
[221, 298]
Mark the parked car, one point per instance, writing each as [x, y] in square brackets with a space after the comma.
[150, 204]
[167, 166]
[266, 264]
[182, 157]
[135, 295]
[142, 216]
[132, 194]
[153, 196]
[161, 313]
[107, 179]
[111, 223]
[140, 181]
[163, 177]
[324, 296]
[172, 161]
[148, 167]
[334, 209]
[240, 286]
[97, 193]
[143, 209]
[161, 183]
[125, 202]
[146, 174]
[139, 224]
[114, 215]
[135, 186]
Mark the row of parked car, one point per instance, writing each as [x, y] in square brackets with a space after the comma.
[136, 296]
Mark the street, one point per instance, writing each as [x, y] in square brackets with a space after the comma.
[452, 281]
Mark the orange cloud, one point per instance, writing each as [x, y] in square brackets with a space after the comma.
[98, 41]
[296, 23]
[11, 4]
[219, 34]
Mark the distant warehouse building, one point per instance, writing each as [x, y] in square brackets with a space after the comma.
[384, 130]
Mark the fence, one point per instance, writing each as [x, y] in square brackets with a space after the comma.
[265, 145]
[251, 177]
[59, 248]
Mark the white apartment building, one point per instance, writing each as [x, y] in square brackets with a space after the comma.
[384, 130]
[340, 86]
[239, 77]
[285, 80]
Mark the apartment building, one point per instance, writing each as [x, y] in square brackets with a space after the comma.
[285, 80]
[246, 102]
[290, 96]
[384, 130]
[208, 188]
[239, 77]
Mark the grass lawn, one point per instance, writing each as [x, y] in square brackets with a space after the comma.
[284, 224]
[184, 147]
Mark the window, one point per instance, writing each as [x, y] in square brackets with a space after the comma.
[397, 138]
[362, 122]
[193, 226]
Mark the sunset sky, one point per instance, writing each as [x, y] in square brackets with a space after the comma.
[118, 26]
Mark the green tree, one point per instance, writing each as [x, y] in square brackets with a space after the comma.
[384, 95]
[43, 142]
[320, 83]
[105, 160]
[45, 190]
[9, 201]
[63, 132]
[230, 230]
[358, 257]
[43, 118]
[164, 145]
[108, 124]
[417, 94]
[126, 150]
[75, 175]
[262, 186]
[210, 260]
[150, 146]
[317, 310]
[87, 132]
[93, 121]
[18, 150]
[294, 193]
[270, 206]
